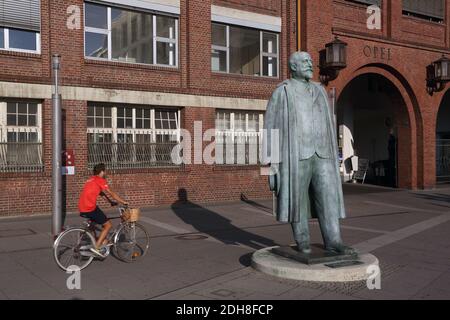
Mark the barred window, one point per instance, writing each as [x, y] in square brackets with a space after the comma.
[242, 50]
[223, 120]
[131, 36]
[127, 137]
[238, 137]
[20, 136]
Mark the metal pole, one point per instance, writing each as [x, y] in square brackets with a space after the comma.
[57, 152]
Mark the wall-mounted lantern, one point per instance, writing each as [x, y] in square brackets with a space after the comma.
[332, 59]
[438, 74]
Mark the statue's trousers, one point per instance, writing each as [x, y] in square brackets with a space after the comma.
[315, 185]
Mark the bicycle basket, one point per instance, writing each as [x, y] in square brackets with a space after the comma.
[131, 215]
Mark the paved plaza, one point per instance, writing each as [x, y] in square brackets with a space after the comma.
[409, 232]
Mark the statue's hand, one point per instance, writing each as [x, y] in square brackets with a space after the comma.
[273, 178]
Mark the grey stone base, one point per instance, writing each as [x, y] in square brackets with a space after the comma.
[266, 261]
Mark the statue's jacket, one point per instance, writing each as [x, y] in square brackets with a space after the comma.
[282, 115]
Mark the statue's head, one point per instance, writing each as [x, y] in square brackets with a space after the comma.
[301, 65]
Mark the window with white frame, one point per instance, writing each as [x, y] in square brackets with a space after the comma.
[20, 136]
[126, 137]
[246, 51]
[238, 137]
[124, 35]
[20, 23]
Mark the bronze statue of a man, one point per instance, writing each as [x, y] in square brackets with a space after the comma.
[306, 178]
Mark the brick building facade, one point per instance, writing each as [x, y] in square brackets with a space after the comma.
[189, 86]
[215, 61]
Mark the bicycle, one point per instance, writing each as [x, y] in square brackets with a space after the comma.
[130, 241]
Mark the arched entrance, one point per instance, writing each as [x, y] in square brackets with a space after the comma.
[371, 119]
[443, 141]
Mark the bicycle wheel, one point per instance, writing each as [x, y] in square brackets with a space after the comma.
[71, 248]
[131, 242]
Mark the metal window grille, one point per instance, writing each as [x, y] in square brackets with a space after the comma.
[20, 154]
[132, 140]
[238, 138]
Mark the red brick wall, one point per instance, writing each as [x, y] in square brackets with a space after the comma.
[269, 7]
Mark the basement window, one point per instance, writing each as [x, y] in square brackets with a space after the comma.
[20, 136]
[238, 137]
[132, 137]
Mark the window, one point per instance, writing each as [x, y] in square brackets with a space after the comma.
[20, 25]
[432, 10]
[127, 137]
[19, 40]
[2, 38]
[219, 51]
[20, 136]
[242, 50]
[238, 137]
[270, 54]
[123, 35]
[223, 122]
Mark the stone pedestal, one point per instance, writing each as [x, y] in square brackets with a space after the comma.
[350, 268]
[318, 255]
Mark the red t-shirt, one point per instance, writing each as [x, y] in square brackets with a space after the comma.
[91, 190]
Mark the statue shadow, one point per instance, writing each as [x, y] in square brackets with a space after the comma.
[255, 204]
[444, 199]
[216, 226]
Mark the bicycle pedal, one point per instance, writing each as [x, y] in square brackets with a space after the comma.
[105, 251]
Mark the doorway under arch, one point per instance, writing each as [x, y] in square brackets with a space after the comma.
[443, 140]
[371, 117]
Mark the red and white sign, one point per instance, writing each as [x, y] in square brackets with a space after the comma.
[68, 163]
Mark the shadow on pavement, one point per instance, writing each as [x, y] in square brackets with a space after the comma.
[357, 189]
[246, 259]
[435, 197]
[256, 204]
[214, 225]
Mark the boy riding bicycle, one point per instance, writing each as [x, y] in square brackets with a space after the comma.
[93, 188]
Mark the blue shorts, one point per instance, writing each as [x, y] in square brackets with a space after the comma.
[97, 216]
